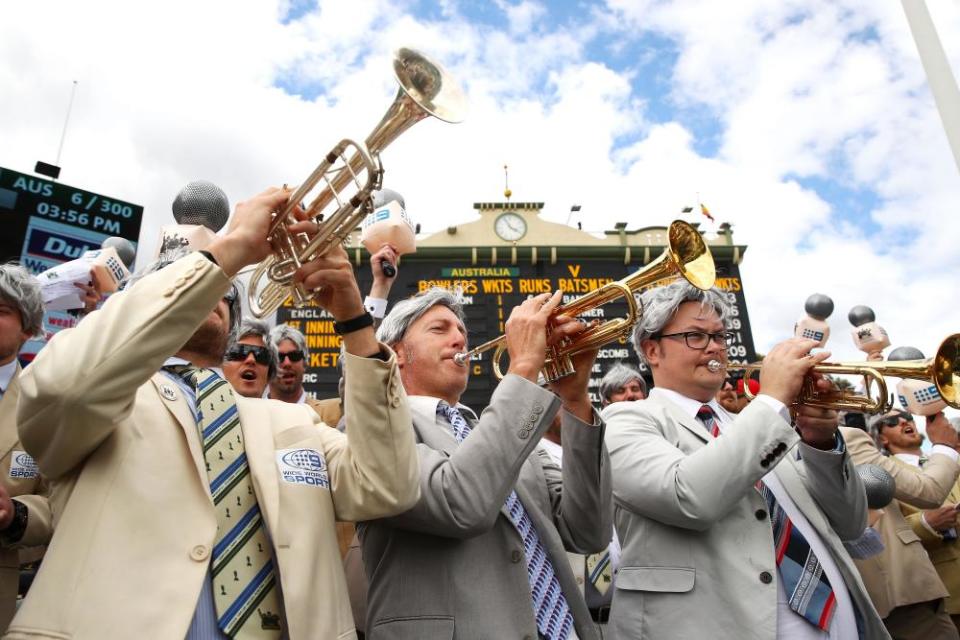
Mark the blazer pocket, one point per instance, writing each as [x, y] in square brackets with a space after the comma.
[662, 579]
[414, 628]
[907, 536]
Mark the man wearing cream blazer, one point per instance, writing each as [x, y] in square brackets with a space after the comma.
[24, 509]
[136, 540]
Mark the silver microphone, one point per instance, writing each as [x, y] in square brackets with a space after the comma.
[202, 203]
[879, 484]
[124, 247]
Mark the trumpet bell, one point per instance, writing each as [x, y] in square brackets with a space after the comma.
[946, 370]
[691, 256]
[429, 85]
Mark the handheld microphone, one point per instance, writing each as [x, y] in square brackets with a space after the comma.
[813, 326]
[200, 209]
[123, 247]
[388, 223]
[202, 203]
[919, 397]
[867, 335]
[879, 484]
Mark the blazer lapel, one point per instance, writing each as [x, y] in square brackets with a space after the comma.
[179, 407]
[8, 415]
[259, 446]
[434, 432]
[689, 423]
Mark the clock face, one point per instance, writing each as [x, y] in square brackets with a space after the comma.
[510, 226]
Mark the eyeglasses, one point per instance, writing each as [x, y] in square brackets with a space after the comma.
[295, 356]
[700, 339]
[894, 420]
[241, 351]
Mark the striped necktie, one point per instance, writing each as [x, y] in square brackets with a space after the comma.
[709, 420]
[244, 581]
[809, 590]
[550, 608]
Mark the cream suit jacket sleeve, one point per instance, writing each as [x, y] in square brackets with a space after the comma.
[85, 381]
[925, 489]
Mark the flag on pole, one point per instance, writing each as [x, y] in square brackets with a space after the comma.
[686, 210]
[706, 212]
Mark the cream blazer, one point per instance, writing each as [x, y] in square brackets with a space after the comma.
[22, 482]
[136, 523]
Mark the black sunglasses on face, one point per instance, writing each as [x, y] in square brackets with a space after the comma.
[241, 351]
[894, 420]
[295, 356]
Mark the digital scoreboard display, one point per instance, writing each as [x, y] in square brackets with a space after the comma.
[489, 293]
[46, 223]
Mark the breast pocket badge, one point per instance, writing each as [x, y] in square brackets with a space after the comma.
[303, 466]
[22, 466]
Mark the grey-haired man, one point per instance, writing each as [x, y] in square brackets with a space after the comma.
[732, 524]
[495, 513]
[24, 515]
[622, 383]
[250, 361]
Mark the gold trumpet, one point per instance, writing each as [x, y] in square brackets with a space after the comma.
[426, 89]
[686, 254]
[942, 370]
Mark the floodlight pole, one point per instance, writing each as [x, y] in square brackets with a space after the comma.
[943, 85]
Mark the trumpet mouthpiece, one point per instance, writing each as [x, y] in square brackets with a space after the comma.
[461, 358]
[714, 366]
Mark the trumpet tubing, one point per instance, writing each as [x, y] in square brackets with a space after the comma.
[350, 173]
[686, 255]
[942, 370]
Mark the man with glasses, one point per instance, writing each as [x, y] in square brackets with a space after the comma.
[731, 524]
[901, 580]
[250, 361]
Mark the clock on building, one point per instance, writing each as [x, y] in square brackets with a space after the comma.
[510, 226]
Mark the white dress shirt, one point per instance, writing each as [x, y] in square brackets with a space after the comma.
[6, 375]
[790, 625]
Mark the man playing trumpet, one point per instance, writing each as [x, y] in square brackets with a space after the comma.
[732, 524]
[482, 553]
[185, 510]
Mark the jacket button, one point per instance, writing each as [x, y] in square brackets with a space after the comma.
[168, 292]
[199, 263]
[200, 553]
[179, 282]
[523, 434]
[515, 556]
[765, 463]
[761, 514]
[766, 578]
[395, 401]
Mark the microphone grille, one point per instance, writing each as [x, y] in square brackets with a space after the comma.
[879, 484]
[202, 203]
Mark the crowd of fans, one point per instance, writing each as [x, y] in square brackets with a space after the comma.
[167, 471]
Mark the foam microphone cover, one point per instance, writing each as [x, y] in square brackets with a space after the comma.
[202, 203]
[124, 248]
[879, 484]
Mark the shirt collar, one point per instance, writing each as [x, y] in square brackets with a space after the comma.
[428, 406]
[688, 405]
[6, 374]
[910, 458]
[174, 361]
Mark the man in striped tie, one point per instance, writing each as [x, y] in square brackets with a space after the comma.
[185, 509]
[731, 526]
[483, 552]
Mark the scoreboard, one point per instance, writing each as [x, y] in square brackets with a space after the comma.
[489, 292]
[46, 223]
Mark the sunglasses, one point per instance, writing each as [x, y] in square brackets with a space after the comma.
[241, 351]
[294, 356]
[894, 420]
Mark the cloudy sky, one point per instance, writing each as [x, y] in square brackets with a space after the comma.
[806, 124]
